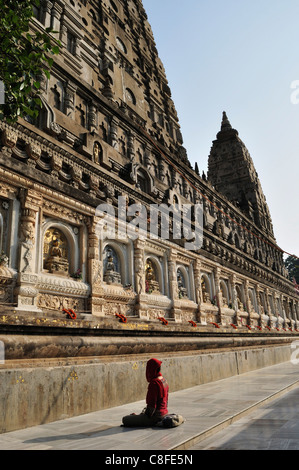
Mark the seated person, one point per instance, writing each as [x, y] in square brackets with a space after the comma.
[156, 398]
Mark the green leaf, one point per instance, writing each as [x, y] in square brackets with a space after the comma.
[55, 50]
[23, 57]
[47, 73]
[50, 61]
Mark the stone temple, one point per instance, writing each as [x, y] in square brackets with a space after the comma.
[73, 284]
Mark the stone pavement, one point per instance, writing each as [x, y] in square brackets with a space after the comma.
[208, 409]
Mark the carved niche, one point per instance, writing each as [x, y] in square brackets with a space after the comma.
[55, 252]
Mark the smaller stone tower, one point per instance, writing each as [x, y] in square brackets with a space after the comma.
[231, 171]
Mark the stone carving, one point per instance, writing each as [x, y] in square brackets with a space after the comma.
[33, 151]
[57, 303]
[139, 274]
[56, 252]
[134, 141]
[28, 238]
[9, 137]
[111, 274]
[181, 285]
[205, 295]
[151, 284]
[97, 151]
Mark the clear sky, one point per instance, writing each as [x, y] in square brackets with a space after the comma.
[242, 57]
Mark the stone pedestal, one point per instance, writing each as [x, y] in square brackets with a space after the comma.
[57, 265]
[26, 293]
[112, 277]
[152, 287]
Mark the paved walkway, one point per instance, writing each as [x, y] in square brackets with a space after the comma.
[226, 404]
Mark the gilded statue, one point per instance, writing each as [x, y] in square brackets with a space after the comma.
[56, 253]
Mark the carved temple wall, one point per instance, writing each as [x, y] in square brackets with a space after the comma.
[56, 260]
[109, 129]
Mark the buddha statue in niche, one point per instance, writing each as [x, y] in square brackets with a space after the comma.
[151, 283]
[56, 253]
[205, 295]
[111, 274]
[181, 285]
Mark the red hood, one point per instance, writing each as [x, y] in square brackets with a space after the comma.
[152, 369]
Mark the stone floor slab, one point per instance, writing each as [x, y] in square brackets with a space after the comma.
[243, 406]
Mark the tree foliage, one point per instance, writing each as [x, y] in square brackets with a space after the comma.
[292, 265]
[24, 56]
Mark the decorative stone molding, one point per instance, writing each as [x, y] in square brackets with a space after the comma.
[9, 137]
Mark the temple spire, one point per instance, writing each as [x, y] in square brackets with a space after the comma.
[225, 125]
[231, 171]
[226, 129]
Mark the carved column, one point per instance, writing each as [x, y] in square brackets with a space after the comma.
[285, 306]
[56, 15]
[26, 290]
[63, 34]
[292, 312]
[147, 158]
[235, 298]
[268, 307]
[278, 311]
[139, 272]
[47, 7]
[69, 99]
[272, 320]
[95, 269]
[113, 133]
[217, 272]
[131, 148]
[161, 169]
[173, 284]
[248, 306]
[92, 117]
[246, 293]
[197, 285]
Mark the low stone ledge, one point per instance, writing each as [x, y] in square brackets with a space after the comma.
[50, 346]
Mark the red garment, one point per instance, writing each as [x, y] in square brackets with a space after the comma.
[157, 393]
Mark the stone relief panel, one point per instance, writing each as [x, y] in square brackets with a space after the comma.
[57, 303]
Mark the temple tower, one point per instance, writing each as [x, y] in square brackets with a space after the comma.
[231, 171]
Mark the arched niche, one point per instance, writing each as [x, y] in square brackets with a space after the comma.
[116, 263]
[174, 199]
[143, 181]
[271, 304]
[237, 241]
[263, 304]
[97, 153]
[240, 297]
[60, 251]
[206, 288]
[252, 299]
[183, 282]
[111, 265]
[153, 276]
[224, 292]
